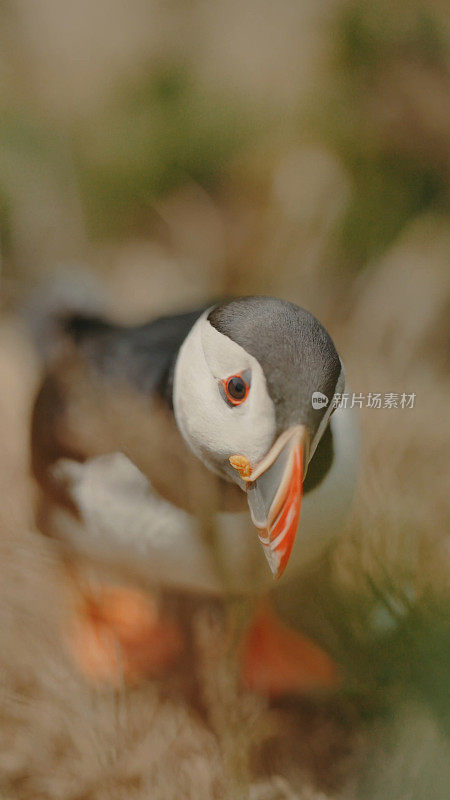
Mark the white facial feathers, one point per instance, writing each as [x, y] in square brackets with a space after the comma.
[212, 428]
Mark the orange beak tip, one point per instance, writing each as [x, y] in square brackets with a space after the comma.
[273, 562]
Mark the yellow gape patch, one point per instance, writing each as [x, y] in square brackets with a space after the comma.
[242, 465]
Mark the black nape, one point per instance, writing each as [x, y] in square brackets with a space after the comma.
[321, 462]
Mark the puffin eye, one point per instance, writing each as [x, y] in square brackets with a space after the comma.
[235, 389]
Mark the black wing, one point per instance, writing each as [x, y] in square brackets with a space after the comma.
[109, 389]
[142, 356]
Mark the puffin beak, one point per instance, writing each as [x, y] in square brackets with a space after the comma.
[274, 493]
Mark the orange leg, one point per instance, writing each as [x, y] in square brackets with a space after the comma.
[277, 660]
[118, 633]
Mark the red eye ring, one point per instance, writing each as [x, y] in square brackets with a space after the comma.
[235, 389]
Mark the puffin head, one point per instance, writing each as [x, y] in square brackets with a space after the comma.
[243, 386]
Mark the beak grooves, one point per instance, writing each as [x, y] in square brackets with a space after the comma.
[278, 537]
[274, 493]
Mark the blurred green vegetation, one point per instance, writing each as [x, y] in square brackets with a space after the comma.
[164, 127]
[370, 34]
[391, 646]
[157, 133]
[400, 649]
[396, 169]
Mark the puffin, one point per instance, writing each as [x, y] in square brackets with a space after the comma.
[202, 453]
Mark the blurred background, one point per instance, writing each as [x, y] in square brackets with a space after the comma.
[183, 151]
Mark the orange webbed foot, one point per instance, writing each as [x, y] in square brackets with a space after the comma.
[118, 634]
[278, 661]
